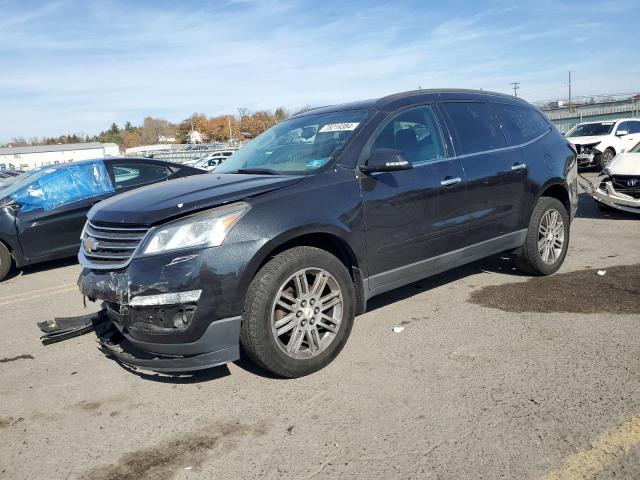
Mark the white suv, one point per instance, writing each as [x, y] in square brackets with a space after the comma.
[598, 142]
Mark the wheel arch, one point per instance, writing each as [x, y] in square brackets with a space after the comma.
[559, 191]
[330, 239]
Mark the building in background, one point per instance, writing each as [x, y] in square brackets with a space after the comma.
[34, 156]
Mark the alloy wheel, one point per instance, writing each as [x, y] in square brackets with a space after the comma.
[550, 236]
[307, 313]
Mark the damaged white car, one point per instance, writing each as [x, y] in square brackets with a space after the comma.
[598, 142]
[619, 184]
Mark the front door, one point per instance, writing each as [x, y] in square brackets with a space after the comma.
[411, 215]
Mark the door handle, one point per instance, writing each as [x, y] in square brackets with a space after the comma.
[450, 181]
[518, 166]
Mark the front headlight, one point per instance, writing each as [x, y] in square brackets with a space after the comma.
[206, 229]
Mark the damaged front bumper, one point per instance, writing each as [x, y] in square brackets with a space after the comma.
[172, 312]
[606, 194]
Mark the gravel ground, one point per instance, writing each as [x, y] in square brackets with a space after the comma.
[495, 375]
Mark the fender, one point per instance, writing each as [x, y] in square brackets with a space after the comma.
[9, 235]
[273, 244]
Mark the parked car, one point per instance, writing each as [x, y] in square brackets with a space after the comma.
[43, 211]
[598, 142]
[286, 242]
[617, 144]
[209, 164]
[619, 186]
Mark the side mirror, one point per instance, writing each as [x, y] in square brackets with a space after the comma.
[621, 133]
[386, 160]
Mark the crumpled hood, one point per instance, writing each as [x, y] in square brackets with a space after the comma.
[625, 164]
[156, 203]
[585, 140]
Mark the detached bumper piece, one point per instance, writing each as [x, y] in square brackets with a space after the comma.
[60, 329]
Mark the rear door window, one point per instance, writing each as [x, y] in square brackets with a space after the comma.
[520, 124]
[127, 175]
[476, 129]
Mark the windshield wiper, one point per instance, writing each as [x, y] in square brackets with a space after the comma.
[257, 171]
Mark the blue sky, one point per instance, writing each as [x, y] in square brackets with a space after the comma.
[73, 66]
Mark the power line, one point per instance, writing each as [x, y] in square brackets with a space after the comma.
[516, 86]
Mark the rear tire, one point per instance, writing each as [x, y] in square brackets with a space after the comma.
[5, 261]
[298, 312]
[547, 239]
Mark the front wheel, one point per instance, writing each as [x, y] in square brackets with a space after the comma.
[606, 158]
[298, 312]
[547, 238]
[5, 261]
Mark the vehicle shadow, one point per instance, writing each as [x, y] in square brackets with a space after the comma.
[41, 267]
[588, 208]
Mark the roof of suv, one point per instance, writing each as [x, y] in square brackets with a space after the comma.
[391, 102]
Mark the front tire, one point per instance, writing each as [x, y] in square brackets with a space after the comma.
[547, 238]
[606, 157]
[5, 261]
[298, 312]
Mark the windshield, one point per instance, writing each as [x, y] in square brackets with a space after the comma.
[591, 129]
[298, 145]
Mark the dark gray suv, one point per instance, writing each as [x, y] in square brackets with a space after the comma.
[288, 239]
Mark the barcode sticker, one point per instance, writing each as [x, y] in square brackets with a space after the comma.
[339, 127]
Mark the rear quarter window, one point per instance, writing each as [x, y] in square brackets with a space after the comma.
[520, 124]
[476, 129]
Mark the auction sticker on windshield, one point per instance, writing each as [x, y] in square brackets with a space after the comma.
[339, 127]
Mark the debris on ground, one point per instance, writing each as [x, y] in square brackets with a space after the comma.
[398, 329]
[602, 272]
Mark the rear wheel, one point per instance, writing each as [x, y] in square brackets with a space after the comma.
[298, 312]
[5, 261]
[547, 238]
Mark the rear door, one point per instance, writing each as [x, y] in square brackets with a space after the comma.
[496, 175]
[411, 215]
[53, 209]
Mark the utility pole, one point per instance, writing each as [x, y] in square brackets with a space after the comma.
[516, 86]
[230, 135]
[569, 89]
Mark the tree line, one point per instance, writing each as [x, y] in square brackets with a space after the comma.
[244, 125]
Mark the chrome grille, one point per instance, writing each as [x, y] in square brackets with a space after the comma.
[110, 246]
[627, 184]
